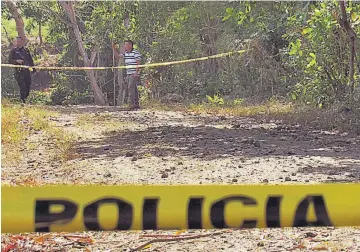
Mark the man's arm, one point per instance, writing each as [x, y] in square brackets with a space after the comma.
[116, 54]
[11, 58]
[30, 57]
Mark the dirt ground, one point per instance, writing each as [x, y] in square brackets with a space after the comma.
[163, 147]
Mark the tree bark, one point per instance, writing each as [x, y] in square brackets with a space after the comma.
[15, 12]
[352, 37]
[121, 82]
[40, 34]
[99, 96]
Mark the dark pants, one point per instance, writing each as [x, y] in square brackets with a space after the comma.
[132, 83]
[23, 79]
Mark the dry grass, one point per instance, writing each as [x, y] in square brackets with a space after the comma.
[104, 123]
[269, 108]
[19, 122]
[334, 118]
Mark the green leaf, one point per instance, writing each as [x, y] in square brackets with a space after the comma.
[354, 16]
[312, 55]
[226, 17]
[229, 11]
[293, 97]
[306, 30]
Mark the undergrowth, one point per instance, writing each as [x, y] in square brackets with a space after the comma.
[19, 122]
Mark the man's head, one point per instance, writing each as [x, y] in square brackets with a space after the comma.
[18, 42]
[128, 45]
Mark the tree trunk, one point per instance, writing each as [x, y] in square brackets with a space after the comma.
[99, 97]
[40, 34]
[15, 12]
[121, 83]
[352, 37]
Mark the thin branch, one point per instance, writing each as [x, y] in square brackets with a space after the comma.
[179, 238]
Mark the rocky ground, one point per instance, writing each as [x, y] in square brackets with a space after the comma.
[163, 147]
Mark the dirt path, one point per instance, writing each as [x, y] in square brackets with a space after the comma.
[158, 147]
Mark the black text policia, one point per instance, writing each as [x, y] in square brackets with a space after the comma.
[44, 218]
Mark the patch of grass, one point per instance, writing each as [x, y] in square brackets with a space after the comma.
[64, 143]
[103, 122]
[11, 128]
[18, 122]
[231, 109]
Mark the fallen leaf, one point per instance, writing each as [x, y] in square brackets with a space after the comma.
[147, 246]
[180, 231]
[320, 248]
[42, 238]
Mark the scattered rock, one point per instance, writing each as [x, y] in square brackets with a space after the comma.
[180, 163]
[257, 144]
[310, 235]
[164, 175]
[293, 174]
[234, 180]
[265, 181]
[129, 154]
[134, 159]
[31, 161]
[306, 180]
[107, 175]
[168, 170]
[106, 148]
[287, 179]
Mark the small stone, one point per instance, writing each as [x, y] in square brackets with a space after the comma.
[261, 244]
[31, 161]
[129, 154]
[240, 166]
[306, 180]
[265, 181]
[257, 162]
[134, 159]
[106, 148]
[234, 180]
[180, 163]
[107, 175]
[168, 170]
[293, 174]
[257, 144]
[310, 235]
[164, 175]
[173, 168]
[287, 179]
[280, 177]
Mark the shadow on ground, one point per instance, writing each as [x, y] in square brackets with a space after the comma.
[211, 143]
[349, 172]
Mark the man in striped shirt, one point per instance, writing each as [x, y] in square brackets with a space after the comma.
[132, 58]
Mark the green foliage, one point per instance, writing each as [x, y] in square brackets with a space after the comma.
[215, 100]
[39, 97]
[296, 49]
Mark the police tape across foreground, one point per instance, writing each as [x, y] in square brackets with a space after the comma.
[135, 207]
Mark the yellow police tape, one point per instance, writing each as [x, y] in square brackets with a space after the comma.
[129, 207]
[220, 55]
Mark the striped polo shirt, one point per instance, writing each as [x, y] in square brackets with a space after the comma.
[130, 60]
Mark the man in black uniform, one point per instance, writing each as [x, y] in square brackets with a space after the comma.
[21, 56]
